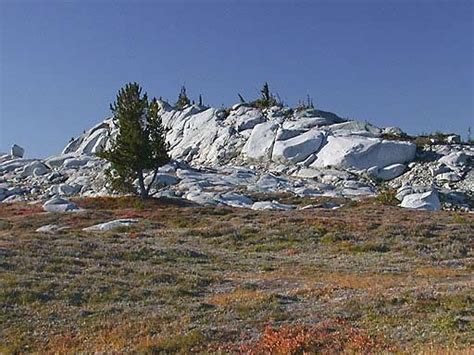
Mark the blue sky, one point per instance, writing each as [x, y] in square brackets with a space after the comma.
[403, 63]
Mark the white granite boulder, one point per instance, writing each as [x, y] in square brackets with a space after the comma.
[65, 189]
[76, 162]
[51, 229]
[58, 160]
[297, 149]
[95, 142]
[244, 118]
[359, 128]
[35, 168]
[270, 183]
[236, 200]
[454, 159]
[107, 226]
[387, 173]
[260, 143]
[363, 152]
[422, 201]
[203, 197]
[16, 164]
[58, 204]
[271, 205]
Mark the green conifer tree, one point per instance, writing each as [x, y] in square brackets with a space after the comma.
[139, 146]
[266, 99]
[183, 99]
[265, 91]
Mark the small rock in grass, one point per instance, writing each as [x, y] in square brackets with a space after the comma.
[107, 226]
[422, 201]
[50, 228]
[271, 205]
[58, 204]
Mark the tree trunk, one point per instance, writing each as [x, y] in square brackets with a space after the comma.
[148, 188]
[141, 183]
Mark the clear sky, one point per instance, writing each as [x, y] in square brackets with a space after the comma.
[398, 63]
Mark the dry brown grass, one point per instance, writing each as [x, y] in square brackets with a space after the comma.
[440, 272]
[238, 297]
[190, 278]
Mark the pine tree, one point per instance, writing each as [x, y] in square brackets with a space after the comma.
[183, 99]
[139, 146]
[266, 96]
[266, 100]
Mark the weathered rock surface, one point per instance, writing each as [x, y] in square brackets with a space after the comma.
[389, 172]
[226, 157]
[298, 148]
[57, 204]
[259, 146]
[422, 201]
[363, 153]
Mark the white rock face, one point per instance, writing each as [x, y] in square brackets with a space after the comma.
[95, 143]
[199, 132]
[362, 153]
[205, 136]
[107, 226]
[13, 164]
[35, 168]
[75, 162]
[220, 155]
[455, 159]
[92, 141]
[271, 183]
[17, 151]
[244, 118]
[389, 172]
[57, 161]
[57, 204]
[422, 201]
[363, 129]
[260, 143]
[297, 149]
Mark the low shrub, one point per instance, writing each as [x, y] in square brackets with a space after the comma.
[333, 336]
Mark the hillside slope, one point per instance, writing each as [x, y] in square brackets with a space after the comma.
[224, 156]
